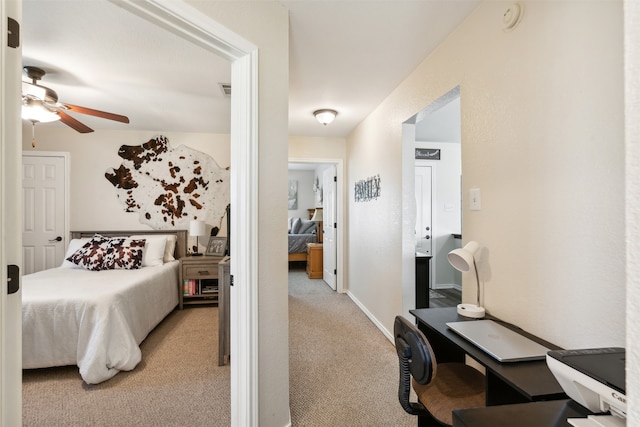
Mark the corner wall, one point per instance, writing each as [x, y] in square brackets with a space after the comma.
[542, 137]
[266, 25]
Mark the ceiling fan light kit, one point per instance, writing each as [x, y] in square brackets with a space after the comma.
[40, 104]
[325, 116]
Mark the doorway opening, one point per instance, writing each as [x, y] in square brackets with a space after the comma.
[319, 191]
[432, 227]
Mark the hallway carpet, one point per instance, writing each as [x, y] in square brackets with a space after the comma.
[343, 370]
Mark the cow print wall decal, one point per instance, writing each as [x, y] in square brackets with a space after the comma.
[170, 186]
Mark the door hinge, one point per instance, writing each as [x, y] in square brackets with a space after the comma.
[13, 279]
[13, 30]
[231, 280]
[335, 179]
[335, 271]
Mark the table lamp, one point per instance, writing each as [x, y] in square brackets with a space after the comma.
[317, 217]
[197, 228]
[462, 259]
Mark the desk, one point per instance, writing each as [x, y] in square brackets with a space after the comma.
[536, 414]
[515, 382]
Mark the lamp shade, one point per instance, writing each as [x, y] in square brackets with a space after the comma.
[197, 228]
[462, 258]
[35, 111]
[317, 215]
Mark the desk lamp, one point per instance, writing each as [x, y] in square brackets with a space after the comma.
[462, 259]
[197, 228]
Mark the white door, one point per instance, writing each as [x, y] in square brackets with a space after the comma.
[423, 230]
[329, 226]
[10, 216]
[44, 237]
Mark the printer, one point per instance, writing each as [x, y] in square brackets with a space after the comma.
[594, 378]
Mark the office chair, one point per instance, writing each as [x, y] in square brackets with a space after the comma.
[440, 388]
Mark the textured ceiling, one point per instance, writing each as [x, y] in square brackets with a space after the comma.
[345, 55]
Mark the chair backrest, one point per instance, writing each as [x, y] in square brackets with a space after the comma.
[416, 360]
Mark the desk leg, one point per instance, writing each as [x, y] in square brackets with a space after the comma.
[500, 393]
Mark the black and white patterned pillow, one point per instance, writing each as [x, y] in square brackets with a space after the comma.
[91, 255]
[124, 253]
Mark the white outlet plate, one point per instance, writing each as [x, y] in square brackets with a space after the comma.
[474, 199]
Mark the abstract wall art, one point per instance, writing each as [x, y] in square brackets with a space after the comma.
[367, 189]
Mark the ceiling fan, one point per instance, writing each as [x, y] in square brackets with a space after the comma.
[40, 104]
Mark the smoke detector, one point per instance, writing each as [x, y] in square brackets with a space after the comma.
[512, 17]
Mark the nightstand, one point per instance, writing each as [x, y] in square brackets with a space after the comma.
[314, 260]
[198, 281]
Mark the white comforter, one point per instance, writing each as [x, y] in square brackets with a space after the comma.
[95, 319]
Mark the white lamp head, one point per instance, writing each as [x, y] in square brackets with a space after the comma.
[462, 258]
[197, 228]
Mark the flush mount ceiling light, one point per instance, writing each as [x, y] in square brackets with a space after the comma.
[325, 116]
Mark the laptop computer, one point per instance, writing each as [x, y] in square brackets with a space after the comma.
[499, 341]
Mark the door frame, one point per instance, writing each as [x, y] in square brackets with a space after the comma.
[66, 156]
[10, 220]
[198, 28]
[340, 230]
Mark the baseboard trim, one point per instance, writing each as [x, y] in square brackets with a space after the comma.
[371, 317]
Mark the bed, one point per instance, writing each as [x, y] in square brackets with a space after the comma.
[97, 319]
[300, 233]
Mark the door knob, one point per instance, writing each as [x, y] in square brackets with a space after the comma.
[57, 239]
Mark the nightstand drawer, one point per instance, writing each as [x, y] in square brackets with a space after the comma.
[206, 271]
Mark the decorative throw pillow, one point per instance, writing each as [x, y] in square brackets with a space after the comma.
[124, 253]
[91, 255]
[307, 227]
[295, 225]
[74, 245]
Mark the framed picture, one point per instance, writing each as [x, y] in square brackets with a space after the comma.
[428, 153]
[217, 246]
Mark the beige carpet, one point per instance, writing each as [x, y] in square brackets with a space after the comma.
[343, 372]
[178, 383]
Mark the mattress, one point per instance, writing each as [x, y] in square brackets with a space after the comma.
[93, 319]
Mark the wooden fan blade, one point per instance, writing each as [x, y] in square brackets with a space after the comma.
[73, 123]
[97, 113]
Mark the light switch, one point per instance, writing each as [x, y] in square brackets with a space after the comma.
[474, 199]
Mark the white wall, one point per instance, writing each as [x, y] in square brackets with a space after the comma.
[306, 196]
[632, 136]
[542, 121]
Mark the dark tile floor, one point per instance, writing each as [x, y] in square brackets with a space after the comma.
[444, 298]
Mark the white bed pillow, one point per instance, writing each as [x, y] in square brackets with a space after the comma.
[74, 245]
[169, 246]
[153, 250]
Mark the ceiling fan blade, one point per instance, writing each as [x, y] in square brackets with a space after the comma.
[97, 113]
[73, 123]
